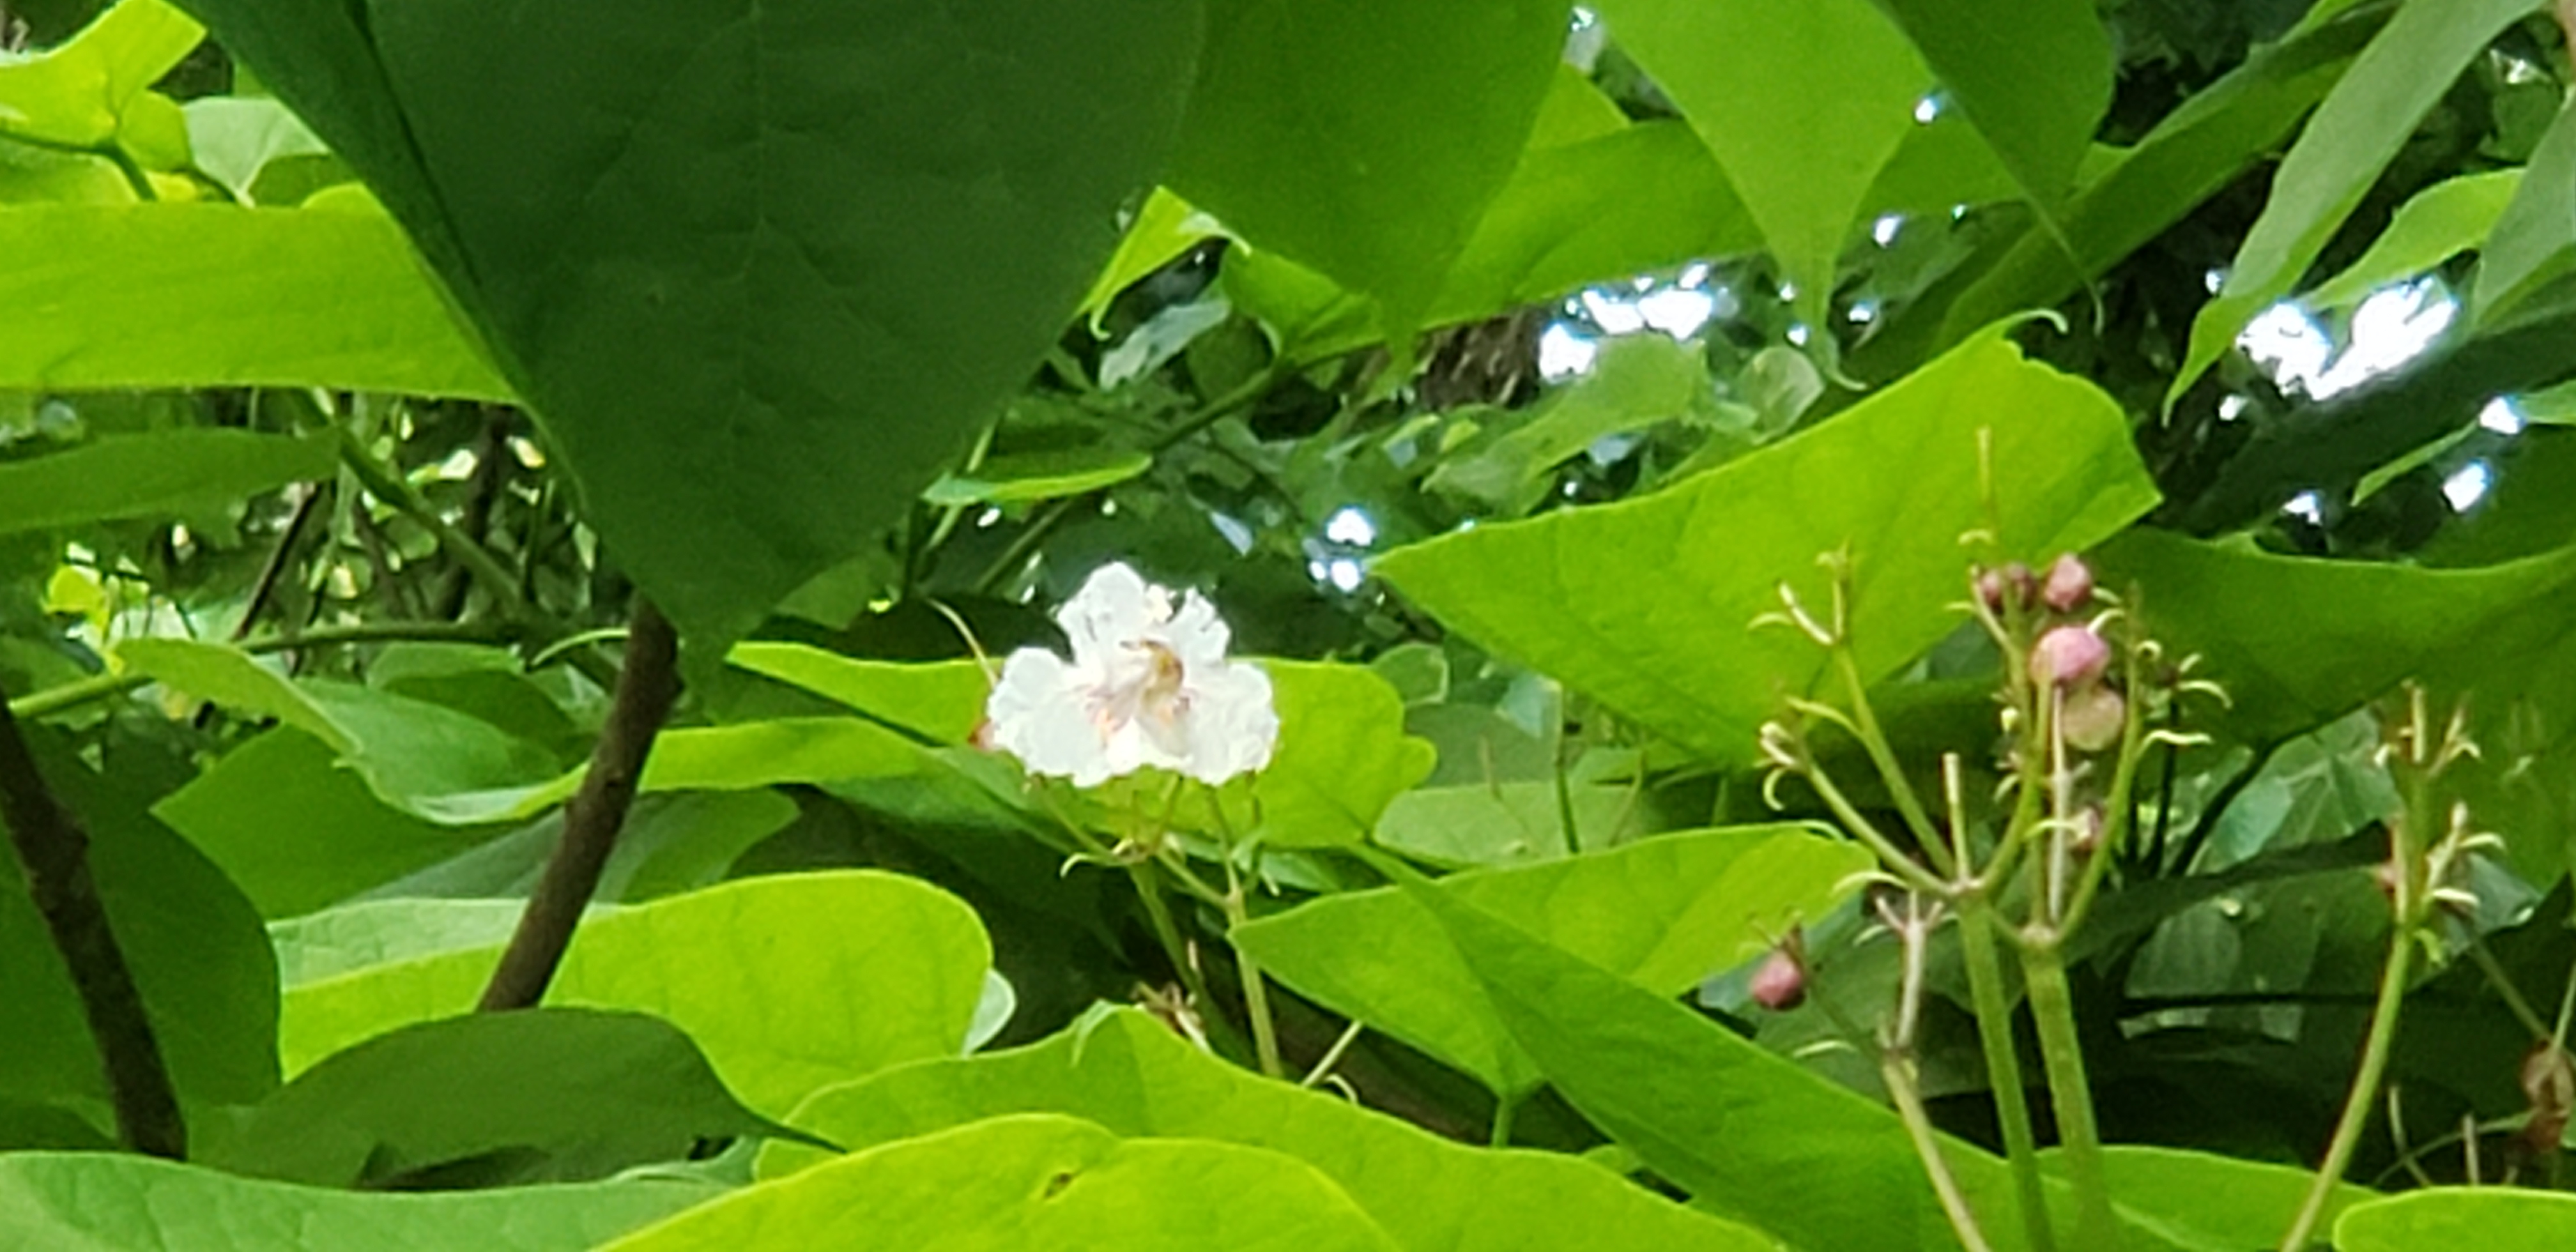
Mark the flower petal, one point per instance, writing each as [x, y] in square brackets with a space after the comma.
[1114, 608]
[1196, 634]
[1234, 724]
[1041, 712]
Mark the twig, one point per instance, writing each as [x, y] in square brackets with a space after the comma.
[53, 700]
[648, 684]
[307, 496]
[53, 854]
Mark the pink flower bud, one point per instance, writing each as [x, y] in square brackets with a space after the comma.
[2009, 585]
[1780, 982]
[2069, 584]
[2092, 718]
[2069, 656]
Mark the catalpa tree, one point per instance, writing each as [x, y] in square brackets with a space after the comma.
[1717, 624]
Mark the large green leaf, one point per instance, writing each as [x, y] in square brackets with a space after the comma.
[94, 92]
[1131, 1074]
[1365, 138]
[2435, 224]
[1342, 756]
[941, 701]
[2193, 153]
[1665, 913]
[2535, 239]
[413, 754]
[2297, 642]
[788, 983]
[103, 1202]
[1649, 604]
[195, 946]
[156, 475]
[2033, 78]
[1803, 101]
[201, 295]
[362, 933]
[1748, 1133]
[547, 1095]
[758, 270]
[2490, 1219]
[1034, 1181]
[296, 832]
[2353, 136]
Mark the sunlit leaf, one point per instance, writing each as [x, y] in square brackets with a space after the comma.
[1664, 912]
[2491, 1219]
[1130, 1073]
[788, 983]
[2434, 225]
[200, 295]
[1649, 604]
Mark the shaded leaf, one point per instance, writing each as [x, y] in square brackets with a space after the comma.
[198, 955]
[2034, 78]
[1364, 138]
[150, 476]
[103, 1202]
[758, 272]
[1803, 101]
[2534, 241]
[544, 1095]
[2296, 641]
[2354, 134]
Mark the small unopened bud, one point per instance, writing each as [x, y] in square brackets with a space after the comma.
[2069, 656]
[2068, 586]
[1780, 982]
[2010, 585]
[2092, 718]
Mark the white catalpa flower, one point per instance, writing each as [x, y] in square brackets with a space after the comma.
[1148, 685]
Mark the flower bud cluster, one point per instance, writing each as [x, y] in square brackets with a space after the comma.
[2070, 660]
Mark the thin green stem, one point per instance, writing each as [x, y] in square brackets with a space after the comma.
[1874, 742]
[1898, 1073]
[2365, 1089]
[1978, 946]
[2061, 1051]
[460, 547]
[1256, 992]
[1333, 1055]
[1507, 1107]
[54, 700]
[1168, 933]
[1896, 862]
[2512, 995]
